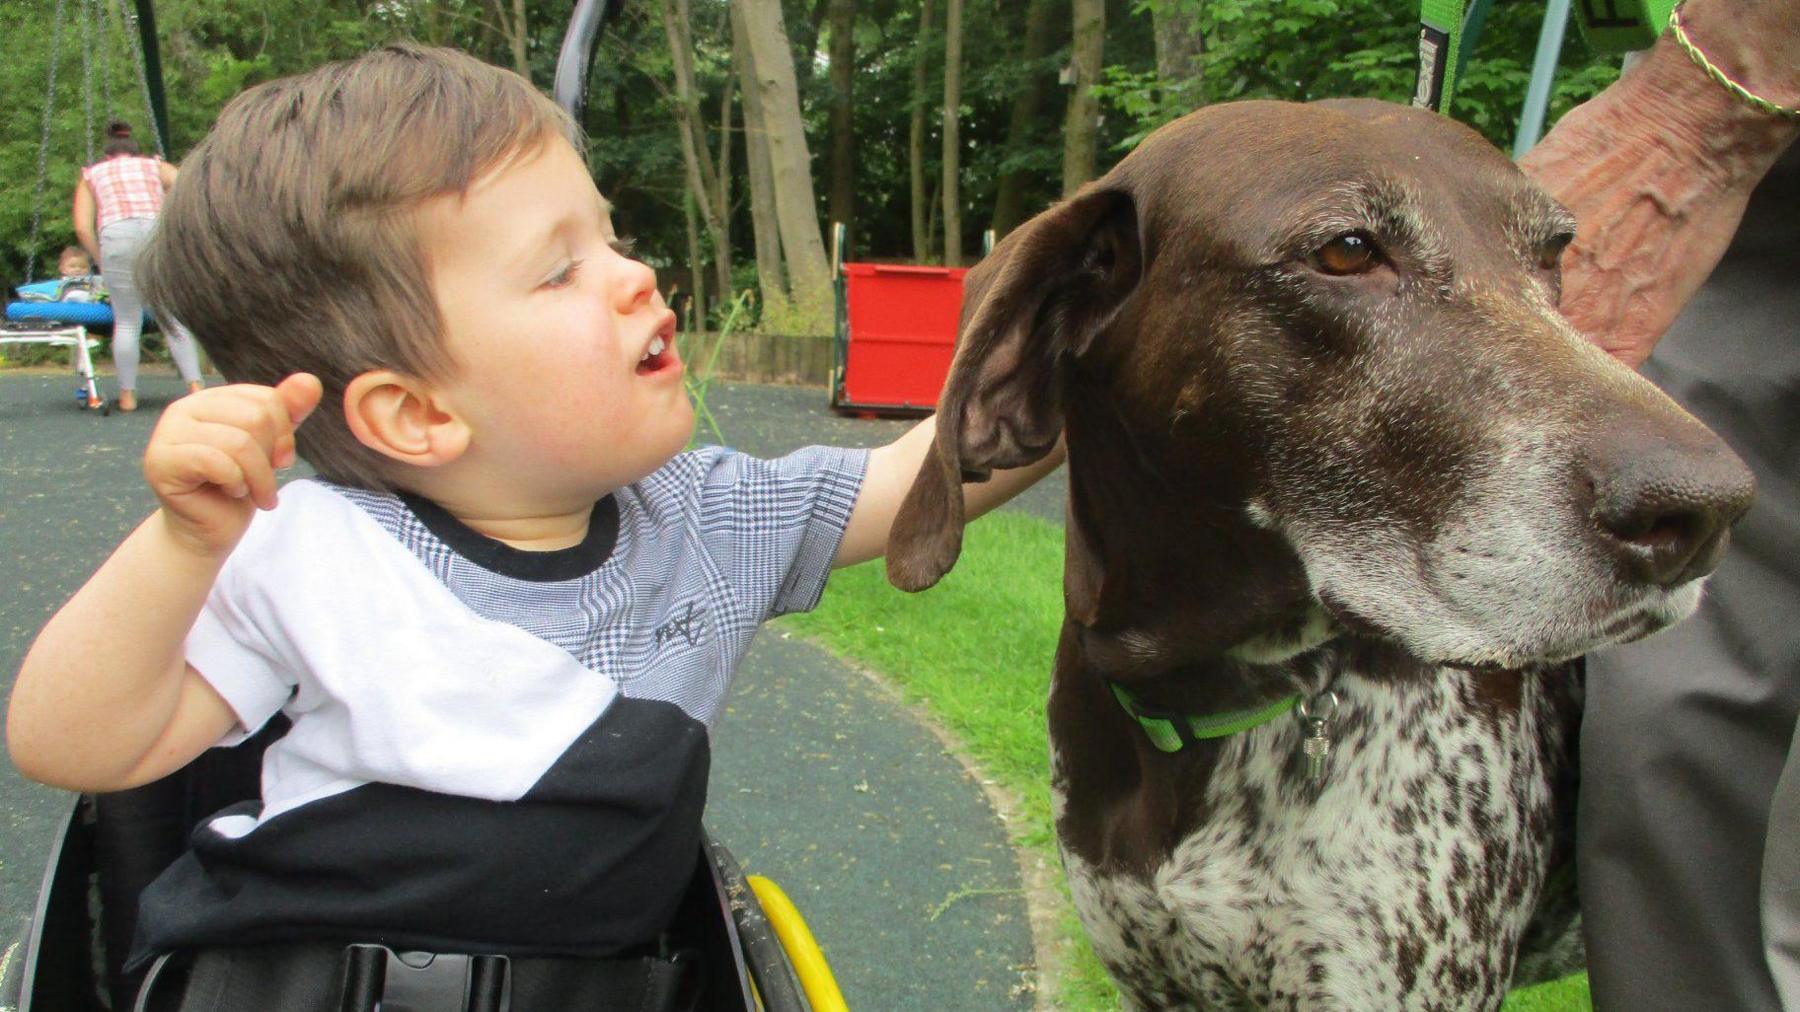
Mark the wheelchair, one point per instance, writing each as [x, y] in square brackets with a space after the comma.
[755, 953]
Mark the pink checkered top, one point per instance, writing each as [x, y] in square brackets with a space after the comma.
[126, 186]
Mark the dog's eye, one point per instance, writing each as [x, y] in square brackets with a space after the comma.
[1549, 254]
[1350, 253]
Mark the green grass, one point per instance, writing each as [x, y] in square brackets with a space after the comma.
[976, 651]
[1569, 994]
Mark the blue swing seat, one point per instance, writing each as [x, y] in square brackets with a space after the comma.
[88, 314]
[44, 300]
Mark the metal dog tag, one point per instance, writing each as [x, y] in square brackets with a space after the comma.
[1315, 748]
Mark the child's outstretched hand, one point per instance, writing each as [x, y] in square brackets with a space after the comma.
[213, 457]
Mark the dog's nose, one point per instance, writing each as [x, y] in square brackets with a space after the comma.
[1664, 503]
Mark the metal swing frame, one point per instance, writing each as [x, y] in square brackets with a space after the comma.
[147, 60]
[64, 335]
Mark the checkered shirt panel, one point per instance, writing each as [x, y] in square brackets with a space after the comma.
[128, 186]
[709, 547]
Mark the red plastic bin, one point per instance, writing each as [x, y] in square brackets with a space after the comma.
[901, 323]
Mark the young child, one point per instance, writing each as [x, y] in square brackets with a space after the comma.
[76, 271]
[503, 618]
[73, 262]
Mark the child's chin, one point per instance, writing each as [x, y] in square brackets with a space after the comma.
[682, 430]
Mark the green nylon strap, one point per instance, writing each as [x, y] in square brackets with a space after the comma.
[1167, 736]
[1440, 44]
[1620, 26]
[1449, 27]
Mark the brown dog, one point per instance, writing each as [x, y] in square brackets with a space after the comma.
[1329, 441]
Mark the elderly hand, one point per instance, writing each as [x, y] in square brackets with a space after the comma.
[1658, 169]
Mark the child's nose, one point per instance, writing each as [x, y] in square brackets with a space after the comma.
[634, 283]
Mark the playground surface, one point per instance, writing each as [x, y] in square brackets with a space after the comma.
[822, 779]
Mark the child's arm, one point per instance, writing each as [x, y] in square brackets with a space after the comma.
[105, 699]
[890, 474]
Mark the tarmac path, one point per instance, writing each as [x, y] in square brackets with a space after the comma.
[821, 780]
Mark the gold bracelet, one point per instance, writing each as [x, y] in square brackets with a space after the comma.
[1744, 94]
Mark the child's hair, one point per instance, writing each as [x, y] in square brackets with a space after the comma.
[77, 253]
[118, 139]
[289, 243]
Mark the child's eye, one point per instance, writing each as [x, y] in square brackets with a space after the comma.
[563, 277]
[622, 245]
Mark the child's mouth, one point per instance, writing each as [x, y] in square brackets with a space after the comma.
[659, 356]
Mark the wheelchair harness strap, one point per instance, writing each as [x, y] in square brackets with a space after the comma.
[376, 976]
[308, 976]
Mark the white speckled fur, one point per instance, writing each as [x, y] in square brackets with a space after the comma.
[1302, 906]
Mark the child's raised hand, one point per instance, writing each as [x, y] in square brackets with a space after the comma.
[213, 457]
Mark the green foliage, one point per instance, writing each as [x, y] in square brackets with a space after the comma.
[1301, 50]
[1296, 49]
[25, 45]
[701, 371]
[211, 51]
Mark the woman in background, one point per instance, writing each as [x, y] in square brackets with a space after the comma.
[116, 204]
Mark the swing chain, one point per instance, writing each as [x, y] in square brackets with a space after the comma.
[106, 99]
[87, 75]
[43, 166]
[137, 58]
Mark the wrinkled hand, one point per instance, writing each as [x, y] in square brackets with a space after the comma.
[1652, 226]
[213, 457]
[1658, 169]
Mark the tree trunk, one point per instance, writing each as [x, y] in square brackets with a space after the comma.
[1180, 51]
[764, 226]
[931, 220]
[434, 30]
[696, 155]
[1081, 126]
[722, 193]
[806, 40]
[696, 315]
[921, 206]
[520, 32]
[808, 271]
[514, 27]
[843, 132]
[952, 154]
[1009, 198]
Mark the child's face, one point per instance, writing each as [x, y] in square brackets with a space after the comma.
[551, 328]
[72, 265]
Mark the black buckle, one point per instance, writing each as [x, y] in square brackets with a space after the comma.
[376, 976]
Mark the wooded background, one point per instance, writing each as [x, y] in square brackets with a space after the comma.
[729, 134]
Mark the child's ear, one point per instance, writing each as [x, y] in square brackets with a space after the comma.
[404, 418]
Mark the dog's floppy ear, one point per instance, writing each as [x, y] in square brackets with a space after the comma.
[1038, 300]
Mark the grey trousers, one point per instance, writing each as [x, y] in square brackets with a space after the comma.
[1689, 825]
[120, 244]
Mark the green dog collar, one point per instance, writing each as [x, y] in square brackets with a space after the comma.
[1169, 731]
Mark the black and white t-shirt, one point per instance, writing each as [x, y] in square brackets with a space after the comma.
[492, 750]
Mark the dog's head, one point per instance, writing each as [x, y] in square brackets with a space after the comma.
[1332, 329]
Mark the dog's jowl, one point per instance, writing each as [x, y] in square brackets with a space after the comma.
[1348, 502]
